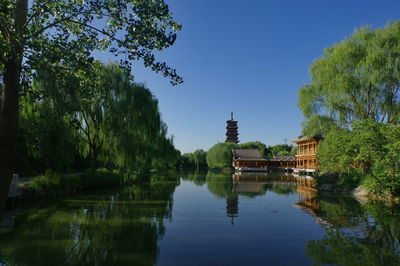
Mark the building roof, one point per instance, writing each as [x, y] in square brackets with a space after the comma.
[247, 187]
[283, 158]
[247, 155]
[304, 138]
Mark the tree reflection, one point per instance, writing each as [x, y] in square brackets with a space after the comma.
[359, 235]
[198, 177]
[106, 229]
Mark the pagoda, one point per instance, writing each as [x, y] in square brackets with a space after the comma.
[232, 130]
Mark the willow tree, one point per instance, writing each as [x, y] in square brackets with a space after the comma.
[356, 79]
[61, 35]
[108, 119]
[131, 131]
[47, 138]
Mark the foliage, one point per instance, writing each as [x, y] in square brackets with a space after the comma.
[47, 140]
[368, 154]
[62, 35]
[334, 153]
[196, 159]
[130, 130]
[281, 149]
[353, 99]
[354, 80]
[110, 121]
[220, 155]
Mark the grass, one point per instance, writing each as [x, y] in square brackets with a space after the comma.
[51, 184]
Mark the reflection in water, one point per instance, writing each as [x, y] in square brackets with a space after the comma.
[362, 235]
[232, 207]
[112, 228]
[355, 234]
[126, 227]
[307, 194]
[256, 184]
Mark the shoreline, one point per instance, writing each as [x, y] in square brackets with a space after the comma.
[358, 192]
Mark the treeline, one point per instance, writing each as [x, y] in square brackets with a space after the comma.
[92, 119]
[220, 155]
[353, 99]
[196, 159]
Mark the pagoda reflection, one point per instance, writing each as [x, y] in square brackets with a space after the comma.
[249, 184]
[232, 207]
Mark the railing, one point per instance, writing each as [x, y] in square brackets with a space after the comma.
[306, 152]
[307, 166]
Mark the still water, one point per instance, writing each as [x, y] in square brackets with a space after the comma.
[205, 219]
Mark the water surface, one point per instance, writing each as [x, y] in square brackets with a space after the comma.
[205, 219]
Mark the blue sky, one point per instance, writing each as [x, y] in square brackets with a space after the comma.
[249, 57]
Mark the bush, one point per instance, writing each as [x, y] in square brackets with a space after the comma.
[382, 185]
[369, 154]
[349, 181]
[220, 155]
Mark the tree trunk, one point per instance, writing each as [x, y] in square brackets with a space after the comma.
[8, 128]
[9, 105]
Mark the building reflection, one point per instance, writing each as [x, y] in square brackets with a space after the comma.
[262, 177]
[307, 193]
[308, 200]
[256, 184]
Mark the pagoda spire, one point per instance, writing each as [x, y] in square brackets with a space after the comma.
[232, 130]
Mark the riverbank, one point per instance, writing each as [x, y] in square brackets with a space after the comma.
[331, 183]
[53, 184]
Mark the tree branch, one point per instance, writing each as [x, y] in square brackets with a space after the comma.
[98, 30]
[49, 26]
[4, 28]
[35, 14]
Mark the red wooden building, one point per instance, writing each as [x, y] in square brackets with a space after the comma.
[248, 160]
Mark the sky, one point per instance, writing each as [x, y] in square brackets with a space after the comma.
[250, 57]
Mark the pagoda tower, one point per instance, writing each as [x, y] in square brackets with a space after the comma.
[232, 130]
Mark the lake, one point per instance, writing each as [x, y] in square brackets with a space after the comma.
[205, 218]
